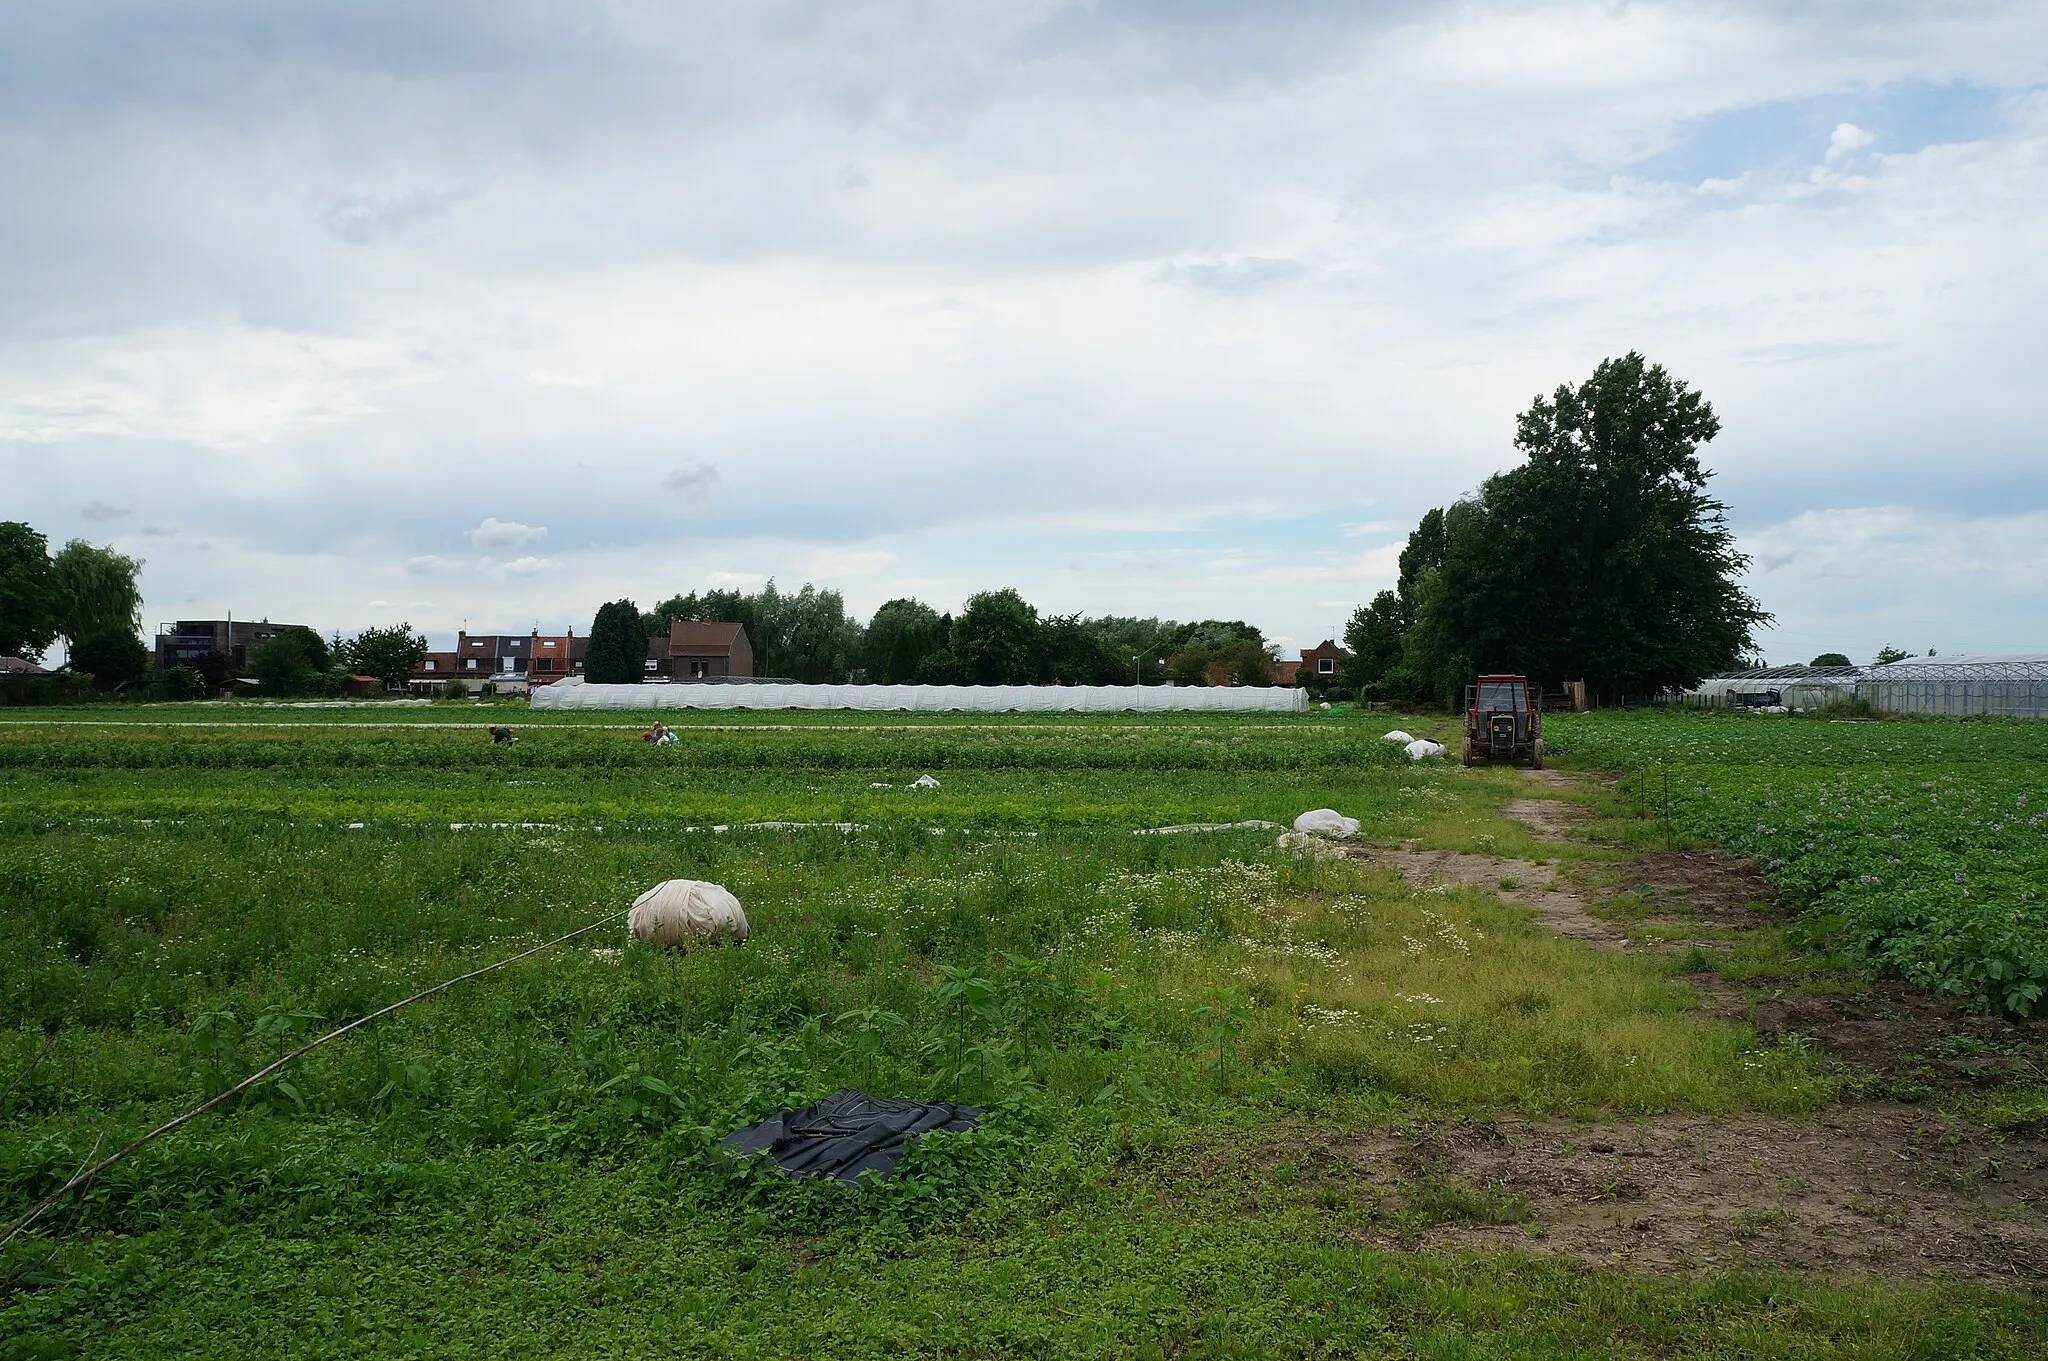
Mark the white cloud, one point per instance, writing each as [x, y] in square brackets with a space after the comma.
[495, 533]
[1848, 139]
[529, 567]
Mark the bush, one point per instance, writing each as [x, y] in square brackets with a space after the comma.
[115, 657]
[183, 682]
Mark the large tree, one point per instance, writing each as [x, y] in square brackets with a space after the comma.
[1373, 638]
[618, 646]
[1602, 556]
[389, 654]
[901, 635]
[293, 661]
[101, 591]
[31, 605]
[995, 639]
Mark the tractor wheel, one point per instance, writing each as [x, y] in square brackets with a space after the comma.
[1468, 752]
[1536, 755]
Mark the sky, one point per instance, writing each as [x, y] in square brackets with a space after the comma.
[479, 315]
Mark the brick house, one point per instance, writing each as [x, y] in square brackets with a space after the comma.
[1321, 664]
[699, 651]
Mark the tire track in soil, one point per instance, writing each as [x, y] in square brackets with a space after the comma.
[1876, 1188]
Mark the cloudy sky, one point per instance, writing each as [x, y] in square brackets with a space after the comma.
[487, 313]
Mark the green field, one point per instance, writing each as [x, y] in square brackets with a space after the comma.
[518, 1167]
[1925, 843]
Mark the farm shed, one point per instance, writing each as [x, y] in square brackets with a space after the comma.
[576, 693]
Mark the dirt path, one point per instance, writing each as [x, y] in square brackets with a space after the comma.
[1876, 1189]
[1868, 1188]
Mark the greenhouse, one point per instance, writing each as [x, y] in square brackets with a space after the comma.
[2013, 686]
[2016, 687]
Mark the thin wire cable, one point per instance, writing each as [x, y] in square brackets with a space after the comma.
[84, 1178]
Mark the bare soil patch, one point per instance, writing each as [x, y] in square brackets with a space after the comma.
[1536, 887]
[1878, 1189]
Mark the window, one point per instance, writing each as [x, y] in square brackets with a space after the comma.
[700, 668]
[649, 664]
[1501, 696]
[549, 642]
[472, 663]
[431, 664]
[1326, 666]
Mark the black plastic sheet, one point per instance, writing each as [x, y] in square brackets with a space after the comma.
[847, 1134]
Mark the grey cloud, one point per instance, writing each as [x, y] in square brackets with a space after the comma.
[100, 510]
[692, 481]
[1231, 273]
[363, 218]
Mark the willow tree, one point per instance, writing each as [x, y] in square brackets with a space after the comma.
[101, 591]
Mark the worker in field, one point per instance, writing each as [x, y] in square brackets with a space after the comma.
[501, 737]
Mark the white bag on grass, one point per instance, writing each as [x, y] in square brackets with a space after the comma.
[1326, 822]
[1398, 736]
[684, 912]
[1422, 749]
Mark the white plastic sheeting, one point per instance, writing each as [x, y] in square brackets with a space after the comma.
[1399, 735]
[1326, 822]
[683, 912]
[1422, 749]
[576, 693]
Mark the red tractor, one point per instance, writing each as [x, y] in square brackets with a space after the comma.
[1503, 721]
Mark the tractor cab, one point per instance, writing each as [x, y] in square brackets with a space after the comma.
[1503, 721]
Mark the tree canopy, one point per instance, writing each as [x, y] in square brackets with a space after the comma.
[995, 639]
[31, 603]
[293, 661]
[617, 654]
[1600, 557]
[100, 589]
[389, 654]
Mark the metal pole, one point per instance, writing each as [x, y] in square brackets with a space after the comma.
[1667, 808]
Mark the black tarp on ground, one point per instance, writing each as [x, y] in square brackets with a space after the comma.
[847, 1133]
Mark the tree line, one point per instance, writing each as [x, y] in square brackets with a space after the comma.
[1601, 557]
[998, 638]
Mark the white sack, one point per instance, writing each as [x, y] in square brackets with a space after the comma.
[1326, 822]
[924, 782]
[1303, 843]
[684, 912]
[1422, 749]
[1398, 736]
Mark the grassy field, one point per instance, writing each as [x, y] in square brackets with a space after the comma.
[517, 1167]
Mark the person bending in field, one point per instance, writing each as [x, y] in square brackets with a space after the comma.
[502, 737]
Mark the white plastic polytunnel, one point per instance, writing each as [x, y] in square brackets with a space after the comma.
[576, 693]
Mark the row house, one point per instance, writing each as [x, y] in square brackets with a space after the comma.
[513, 663]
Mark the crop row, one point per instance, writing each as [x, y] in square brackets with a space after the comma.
[1933, 868]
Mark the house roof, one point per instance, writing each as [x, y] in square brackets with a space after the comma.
[689, 636]
[26, 667]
